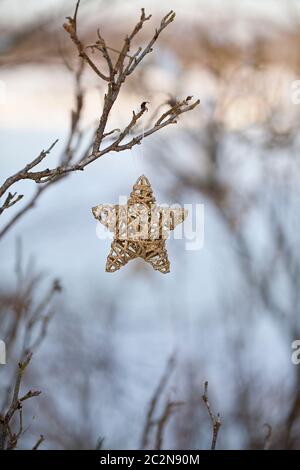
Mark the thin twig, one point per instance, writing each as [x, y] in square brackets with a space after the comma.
[149, 422]
[24, 173]
[268, 436]
[170, 408]
[100, 442]
[215, 419]
[39, 442]
[8, 440]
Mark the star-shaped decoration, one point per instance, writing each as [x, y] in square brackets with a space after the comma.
[140, 228]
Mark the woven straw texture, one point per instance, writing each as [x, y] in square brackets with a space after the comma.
[140, 228]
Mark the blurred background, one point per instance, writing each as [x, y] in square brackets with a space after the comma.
[227, 313]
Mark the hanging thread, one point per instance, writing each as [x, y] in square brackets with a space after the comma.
[142, 148]
[138, 160]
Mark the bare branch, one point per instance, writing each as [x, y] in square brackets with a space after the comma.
[170, 408]
[268, 436]
[101, 46]
[24, 173]
[24, 209]
[39, 442]
[149, 48]
[149, 423]
[215, 419]
[40, 315]
[10, 201]
[117, 76]
[8, 440]
[111, 132]
[71, 28]
[68, 153]
[100, 442]
[132, 123]
[27, 319]
[172, 113]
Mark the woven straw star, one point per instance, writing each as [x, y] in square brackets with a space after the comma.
[140, 228]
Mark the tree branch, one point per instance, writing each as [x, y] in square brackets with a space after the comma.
[149, 423]
[10, 201]
[168, 411]
[124, 65]
[268, 436]
[39, 442]
[71, 28]
[25, 174]
[215, 419]
[8, 440]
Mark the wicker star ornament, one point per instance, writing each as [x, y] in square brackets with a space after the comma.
[140, 228]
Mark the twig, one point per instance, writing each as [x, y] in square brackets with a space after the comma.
[168, 411]
[268, 436]
[40, 315]
[215, 419]
[30, 204]
[39, 442]
[67, 154]
[100, 442]
[154, 401]
[10, 201]
[25, 174]
[8, 440]
[71, 28]
[28, 319]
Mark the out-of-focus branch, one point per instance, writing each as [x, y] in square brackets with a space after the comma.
[150, 422]
[170, 117]
[8, 438]
[71, 28]
[215, 419]
[29, 205]
[38, 442]
[23, 319]
[40, 316]
[24, 328]
[100, 442]
[28, 317]
[268, 436]
[169, 409]
[68, 153]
